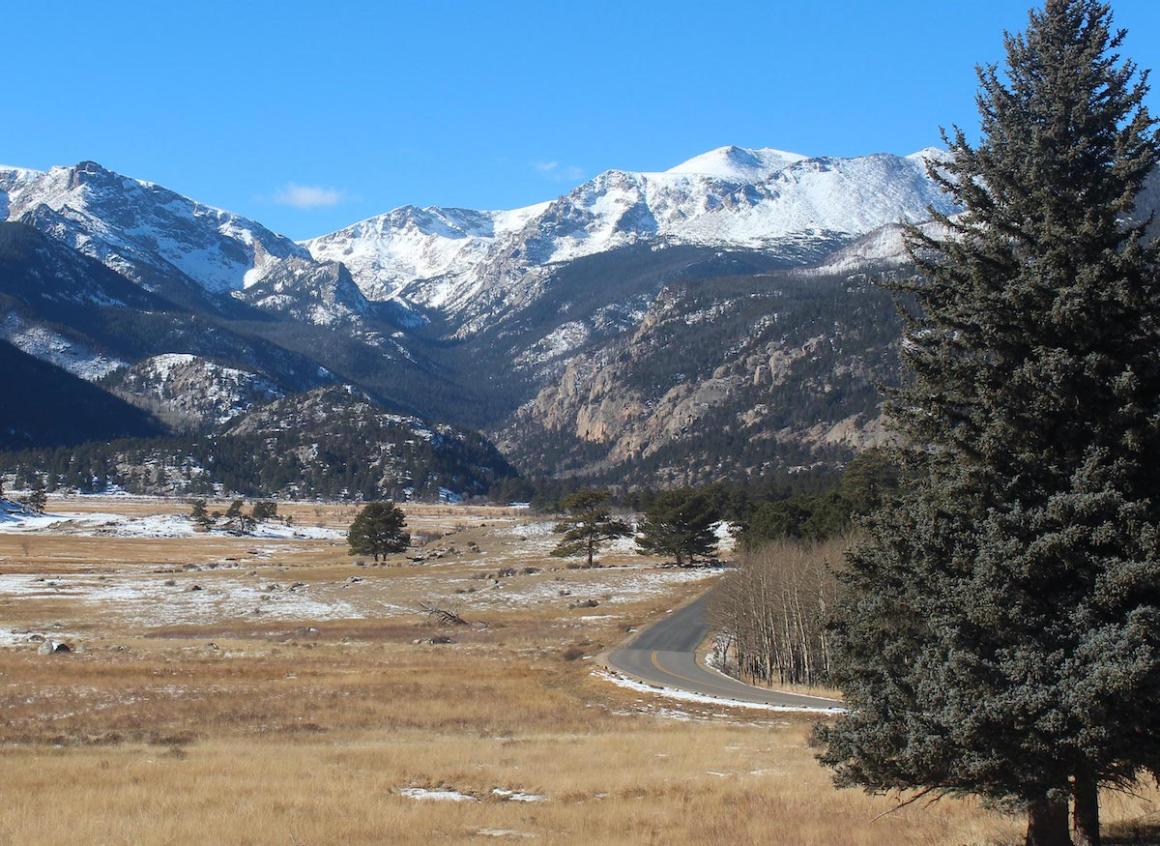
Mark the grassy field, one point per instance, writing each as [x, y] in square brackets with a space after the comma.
[271, 690]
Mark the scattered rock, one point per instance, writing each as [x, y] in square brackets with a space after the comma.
[436, 640]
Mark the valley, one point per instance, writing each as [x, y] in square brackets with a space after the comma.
[300, 697]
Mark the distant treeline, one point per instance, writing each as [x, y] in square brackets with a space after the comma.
[385, 462]
[812, 506]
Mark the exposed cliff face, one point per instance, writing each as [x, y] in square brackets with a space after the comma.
[716, 380]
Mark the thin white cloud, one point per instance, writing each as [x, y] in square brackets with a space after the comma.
[308, 196]
[559, 172]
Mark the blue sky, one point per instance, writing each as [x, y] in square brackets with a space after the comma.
[308, 115]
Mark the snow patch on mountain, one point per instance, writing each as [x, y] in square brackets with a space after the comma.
[192, 391]
[53, 347]
[883, 247]
[559, 342]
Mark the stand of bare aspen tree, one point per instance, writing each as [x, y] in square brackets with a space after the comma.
[770, 613]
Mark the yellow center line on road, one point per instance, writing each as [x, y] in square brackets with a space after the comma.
[654, 658]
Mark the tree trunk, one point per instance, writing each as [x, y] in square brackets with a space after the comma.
[1085, 820]
[1047, 822]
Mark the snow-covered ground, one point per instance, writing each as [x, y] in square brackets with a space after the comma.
[499, 565]
[435, 795]
[607, 585]
[23, 636]
[97, 524]
[150, 601]
[450, 794]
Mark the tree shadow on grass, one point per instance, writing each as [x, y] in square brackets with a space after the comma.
[1144, 831]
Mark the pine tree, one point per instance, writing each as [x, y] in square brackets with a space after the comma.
[1000, 629]
[378, 530]
[679, 523]
[588, 525]
[37, 499]
[199, 515]
[264, 510]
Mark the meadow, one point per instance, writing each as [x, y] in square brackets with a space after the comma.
[275, 690]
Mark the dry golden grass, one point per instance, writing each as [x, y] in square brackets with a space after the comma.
[266, 729]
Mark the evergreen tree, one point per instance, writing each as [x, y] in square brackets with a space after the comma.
[378, 530]
[1000, 629]
[37, 499]
[199, 515]
[264, 510]
[588, 524]
[679, 523]
[235, 510]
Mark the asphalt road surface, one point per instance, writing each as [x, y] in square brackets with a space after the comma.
[665, 654]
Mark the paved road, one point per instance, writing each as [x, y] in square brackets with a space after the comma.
[665, 654]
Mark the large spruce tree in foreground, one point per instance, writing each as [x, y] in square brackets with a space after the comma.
[999, 633]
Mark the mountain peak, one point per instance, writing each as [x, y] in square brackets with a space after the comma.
[738, 163]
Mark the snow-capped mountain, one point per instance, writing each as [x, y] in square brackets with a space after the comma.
[485, 318]
[757, 199]
[150, 234]
[386, 252]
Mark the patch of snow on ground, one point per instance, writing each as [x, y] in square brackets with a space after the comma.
[94, 524]
[517, 796]
[150, 602]
[424, 793]
[504, 832]
[607, 585]
[13, 637]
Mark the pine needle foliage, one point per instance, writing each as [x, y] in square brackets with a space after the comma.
[679, 523]
[589, 524]
[378, 530]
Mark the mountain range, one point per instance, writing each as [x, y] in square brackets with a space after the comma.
[715, 318]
